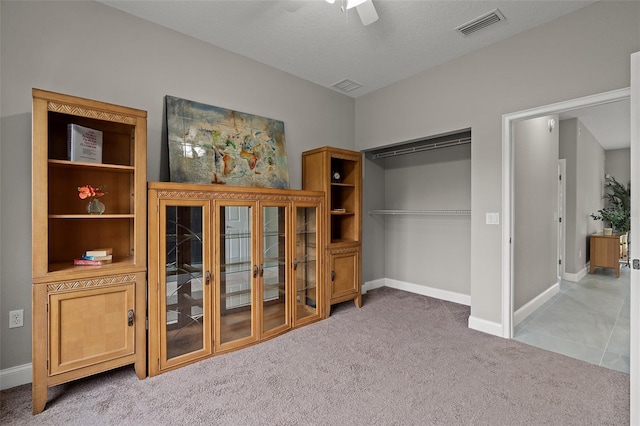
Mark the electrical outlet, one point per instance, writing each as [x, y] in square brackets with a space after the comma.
[16, 318]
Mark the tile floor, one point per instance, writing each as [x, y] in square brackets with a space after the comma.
[587, 320]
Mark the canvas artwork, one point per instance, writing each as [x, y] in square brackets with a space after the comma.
[209, 144]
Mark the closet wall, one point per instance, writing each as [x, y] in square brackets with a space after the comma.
[409, 245]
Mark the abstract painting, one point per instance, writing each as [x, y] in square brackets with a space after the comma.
[209, 144]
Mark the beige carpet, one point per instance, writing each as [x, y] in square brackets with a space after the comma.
[402, 359]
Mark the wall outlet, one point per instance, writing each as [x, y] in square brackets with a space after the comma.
[16, 318]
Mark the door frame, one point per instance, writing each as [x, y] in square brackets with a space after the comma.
[634, 354]
[508, 124]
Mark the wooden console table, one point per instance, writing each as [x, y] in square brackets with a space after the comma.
[605, 252]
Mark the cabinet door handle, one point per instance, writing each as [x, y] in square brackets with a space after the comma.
[262, 270]
[207, 277]
[255, 271]
[130, 317]
[333, 275]
[295, 264]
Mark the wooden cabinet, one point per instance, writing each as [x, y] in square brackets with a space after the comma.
[605, 252]
[229, 267]
[338, 174]
[87, 319]
[345, 273]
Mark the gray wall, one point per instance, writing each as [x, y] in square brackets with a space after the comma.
[535, 202]
[373, 235]
[585, 188]
[90, 50]
[617, 162]
[590, 190]
[579, 54]
[429, 250]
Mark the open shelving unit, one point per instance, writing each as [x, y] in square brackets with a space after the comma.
[338, 173]
[87, 319]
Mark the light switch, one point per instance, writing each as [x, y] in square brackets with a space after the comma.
[493, 218]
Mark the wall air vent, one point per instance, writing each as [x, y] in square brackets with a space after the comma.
[481, 22]
[346, 85]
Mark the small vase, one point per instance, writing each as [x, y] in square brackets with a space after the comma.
[95, 206]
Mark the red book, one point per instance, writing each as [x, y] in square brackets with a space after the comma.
[85, 262]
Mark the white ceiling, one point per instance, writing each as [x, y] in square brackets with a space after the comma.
[318, 42]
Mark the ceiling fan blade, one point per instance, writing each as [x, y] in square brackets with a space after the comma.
[367, 12]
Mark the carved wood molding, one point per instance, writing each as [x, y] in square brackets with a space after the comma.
[90, 283]
[244, 196]
[90, 113]
[345, 250]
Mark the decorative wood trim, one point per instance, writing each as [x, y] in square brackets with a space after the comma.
[344, 250]
[90, 113]
[90, 283]
[219, 195]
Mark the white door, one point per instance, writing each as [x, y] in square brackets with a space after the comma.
[635, 240]
[562, 167]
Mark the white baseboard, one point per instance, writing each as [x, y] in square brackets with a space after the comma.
[485, 326]
[15, 376]
[424, 290]
[535, 303]
[475, 323]
[574, 278]
[370, 285]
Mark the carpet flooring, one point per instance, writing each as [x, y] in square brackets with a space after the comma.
[402, 359]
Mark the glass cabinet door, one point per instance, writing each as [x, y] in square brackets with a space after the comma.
[184, 282]
[305, 266]
[273, 269]
[234, 289]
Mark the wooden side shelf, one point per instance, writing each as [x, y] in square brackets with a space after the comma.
[605, 252]
[87, 319]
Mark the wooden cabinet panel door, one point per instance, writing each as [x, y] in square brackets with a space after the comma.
[90, 326]
[344, 275]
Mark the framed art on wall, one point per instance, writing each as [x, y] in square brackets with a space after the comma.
[209, 144]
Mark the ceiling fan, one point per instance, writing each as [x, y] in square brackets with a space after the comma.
[365, 8]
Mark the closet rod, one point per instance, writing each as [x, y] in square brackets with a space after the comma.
[427, 147]
[422, 212]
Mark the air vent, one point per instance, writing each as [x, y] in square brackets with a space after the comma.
[347, 85]
[481, 22]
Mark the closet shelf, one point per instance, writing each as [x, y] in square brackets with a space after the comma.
[422, 212]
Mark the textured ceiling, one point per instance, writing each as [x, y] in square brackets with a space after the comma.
[318, 42]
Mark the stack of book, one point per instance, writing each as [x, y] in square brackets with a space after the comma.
[95, 257]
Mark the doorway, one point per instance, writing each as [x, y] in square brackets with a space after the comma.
[508, 123]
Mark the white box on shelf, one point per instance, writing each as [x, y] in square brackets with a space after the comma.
[84, 144]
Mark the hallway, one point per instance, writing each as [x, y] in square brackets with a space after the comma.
[587, 320]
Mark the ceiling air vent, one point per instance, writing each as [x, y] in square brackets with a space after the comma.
[347, 85]
[481, 22]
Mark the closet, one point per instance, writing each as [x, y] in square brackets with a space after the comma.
[417, 227]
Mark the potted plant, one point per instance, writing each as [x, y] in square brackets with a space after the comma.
[617, 212]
